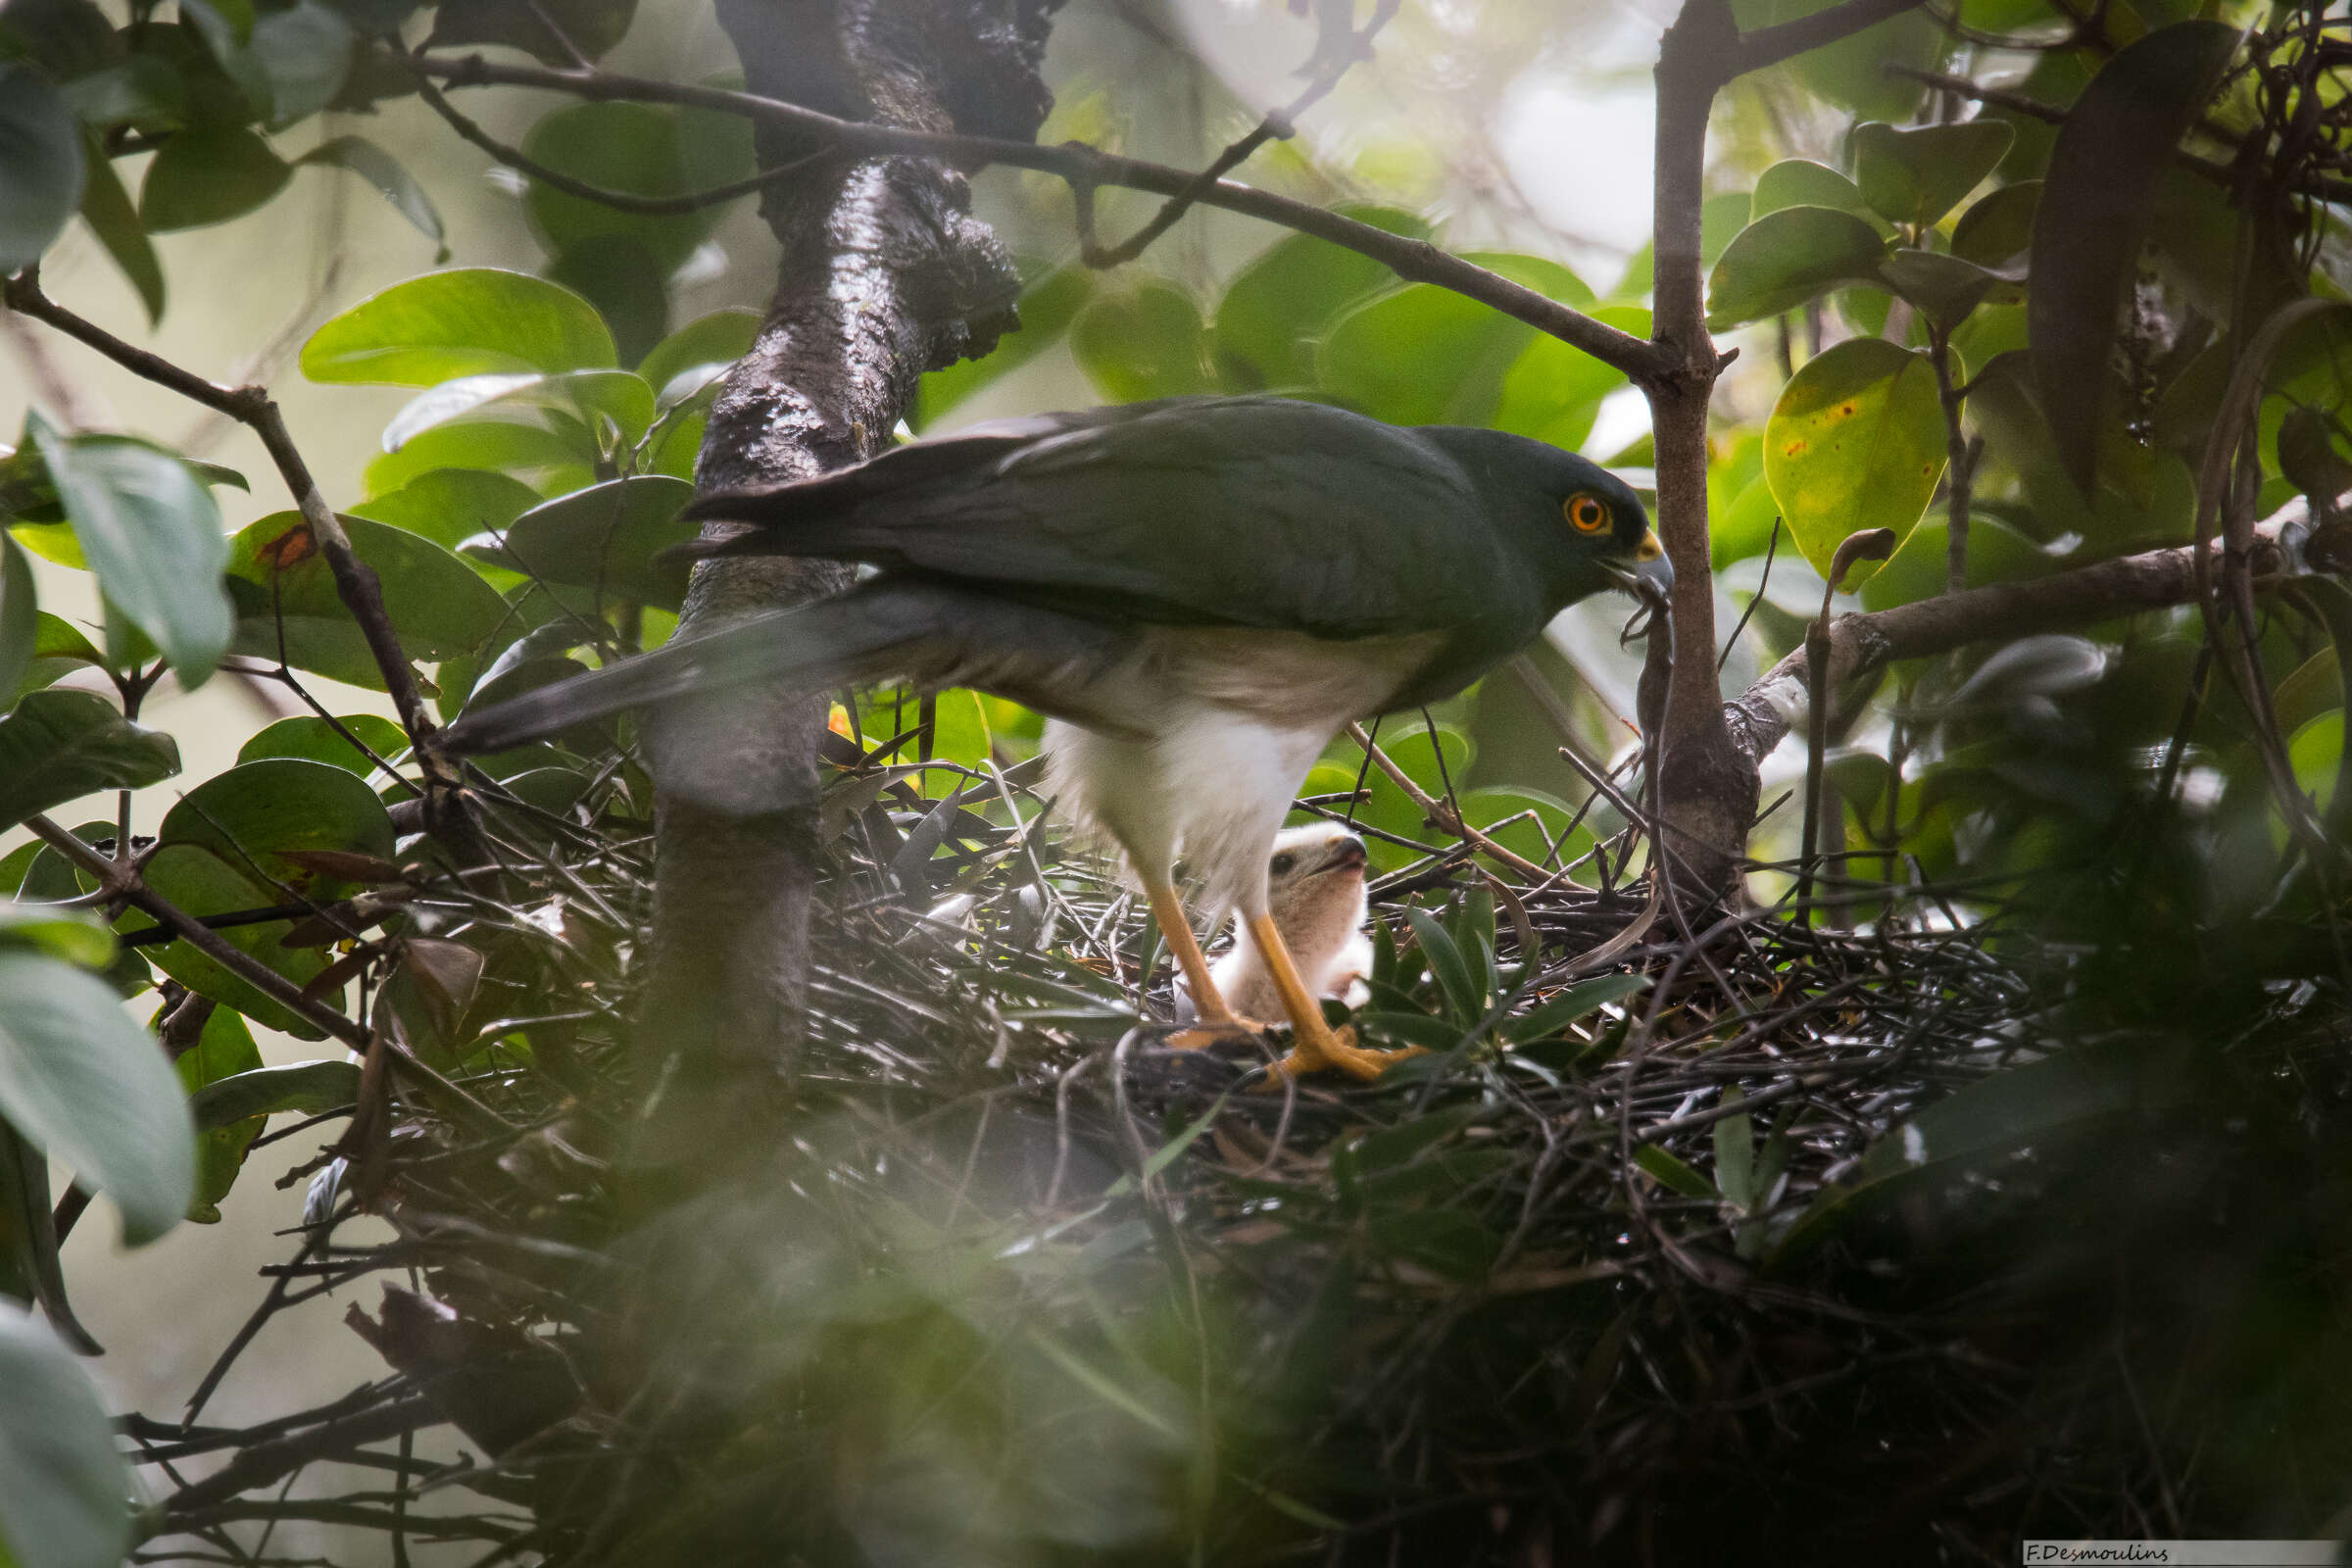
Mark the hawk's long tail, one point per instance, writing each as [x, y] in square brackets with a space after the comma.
[936, 634]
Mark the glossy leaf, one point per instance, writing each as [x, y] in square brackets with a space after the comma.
[240, 841]
[20, 617]
[209, 174]
[1788, 257]
[1914, 174]
[607, 538]
[88, 1085]
[720, 338]
[640, 150]
[106, 208]
[149, 530]
[450, 506]
[1996, 229]
[439, 604]
[223, 1051]
[1145, 341]
[1945, 287]
[547, 461]
[591, 397]
[1552, 392]
[58, 746]
[2118, 139]
[64, 1492]
[307, 1086]
[474, 321]
[41, 164]
[1425, 355]
[380, 170]
[590, 26]
[313, 739]
[1801, 182]
[66, 933]
[1856, 441]
[303, 52]
[1280, 304]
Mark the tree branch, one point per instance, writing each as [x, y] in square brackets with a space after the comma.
[252, 406]
[1416, 261]
[274, 1460]
[1861, 644]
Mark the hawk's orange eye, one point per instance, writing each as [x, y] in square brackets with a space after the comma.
[1585, 512]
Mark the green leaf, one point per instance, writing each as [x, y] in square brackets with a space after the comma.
[1047, 308]
[1425, 355]
[41, 164]
[20, 617]
[2118, 139]
[142, 92]
[1448, 1240]
[1280, 304]
[391, 181]
[638, 150]
[1997, 552]
[1671, 1173]
[66, 933]
[1947, 287]
[1856, 441]
[718, 339]
[590, 26]
[1552, 392]
[65, 1493]
[106, 206]
[1451, 970]
[587, 396]
[313, 739]
[304, 53]
[1145, 341]
[2058, 1097]
[149, 530]
[1578, 1000]
[232, 844]
[1801, 182]
[605, 538]
[1735, 1152]
[1851, 73]
[1786, 258]
[1998, 227]
[58, 746]
[474, 321]
[450, 506]
[1915, 174]
[439, 606]
[307, 1087]
[209, 174]
[222, 1053]
[90, 1087]
[546, 461]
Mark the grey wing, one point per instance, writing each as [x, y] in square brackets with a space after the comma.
[1253, 512]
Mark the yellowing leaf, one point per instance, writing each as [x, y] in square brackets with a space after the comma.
[1855, 442]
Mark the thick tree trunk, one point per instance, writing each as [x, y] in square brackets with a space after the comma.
[1707, 791]
[885, 274]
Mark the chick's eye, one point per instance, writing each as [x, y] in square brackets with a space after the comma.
[1585, 512]
[1282, 863]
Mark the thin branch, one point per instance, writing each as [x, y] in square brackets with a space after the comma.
[266, 1462]
[1280, 124]
[619, 200]
[252, 406]
[1413, 259]
[2155, 579]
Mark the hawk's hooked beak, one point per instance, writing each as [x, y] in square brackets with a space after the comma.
[1649, 565]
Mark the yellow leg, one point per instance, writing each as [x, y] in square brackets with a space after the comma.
[1313, 1043]
[1216, 1016]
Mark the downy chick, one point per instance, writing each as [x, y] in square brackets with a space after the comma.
[1315, 890]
